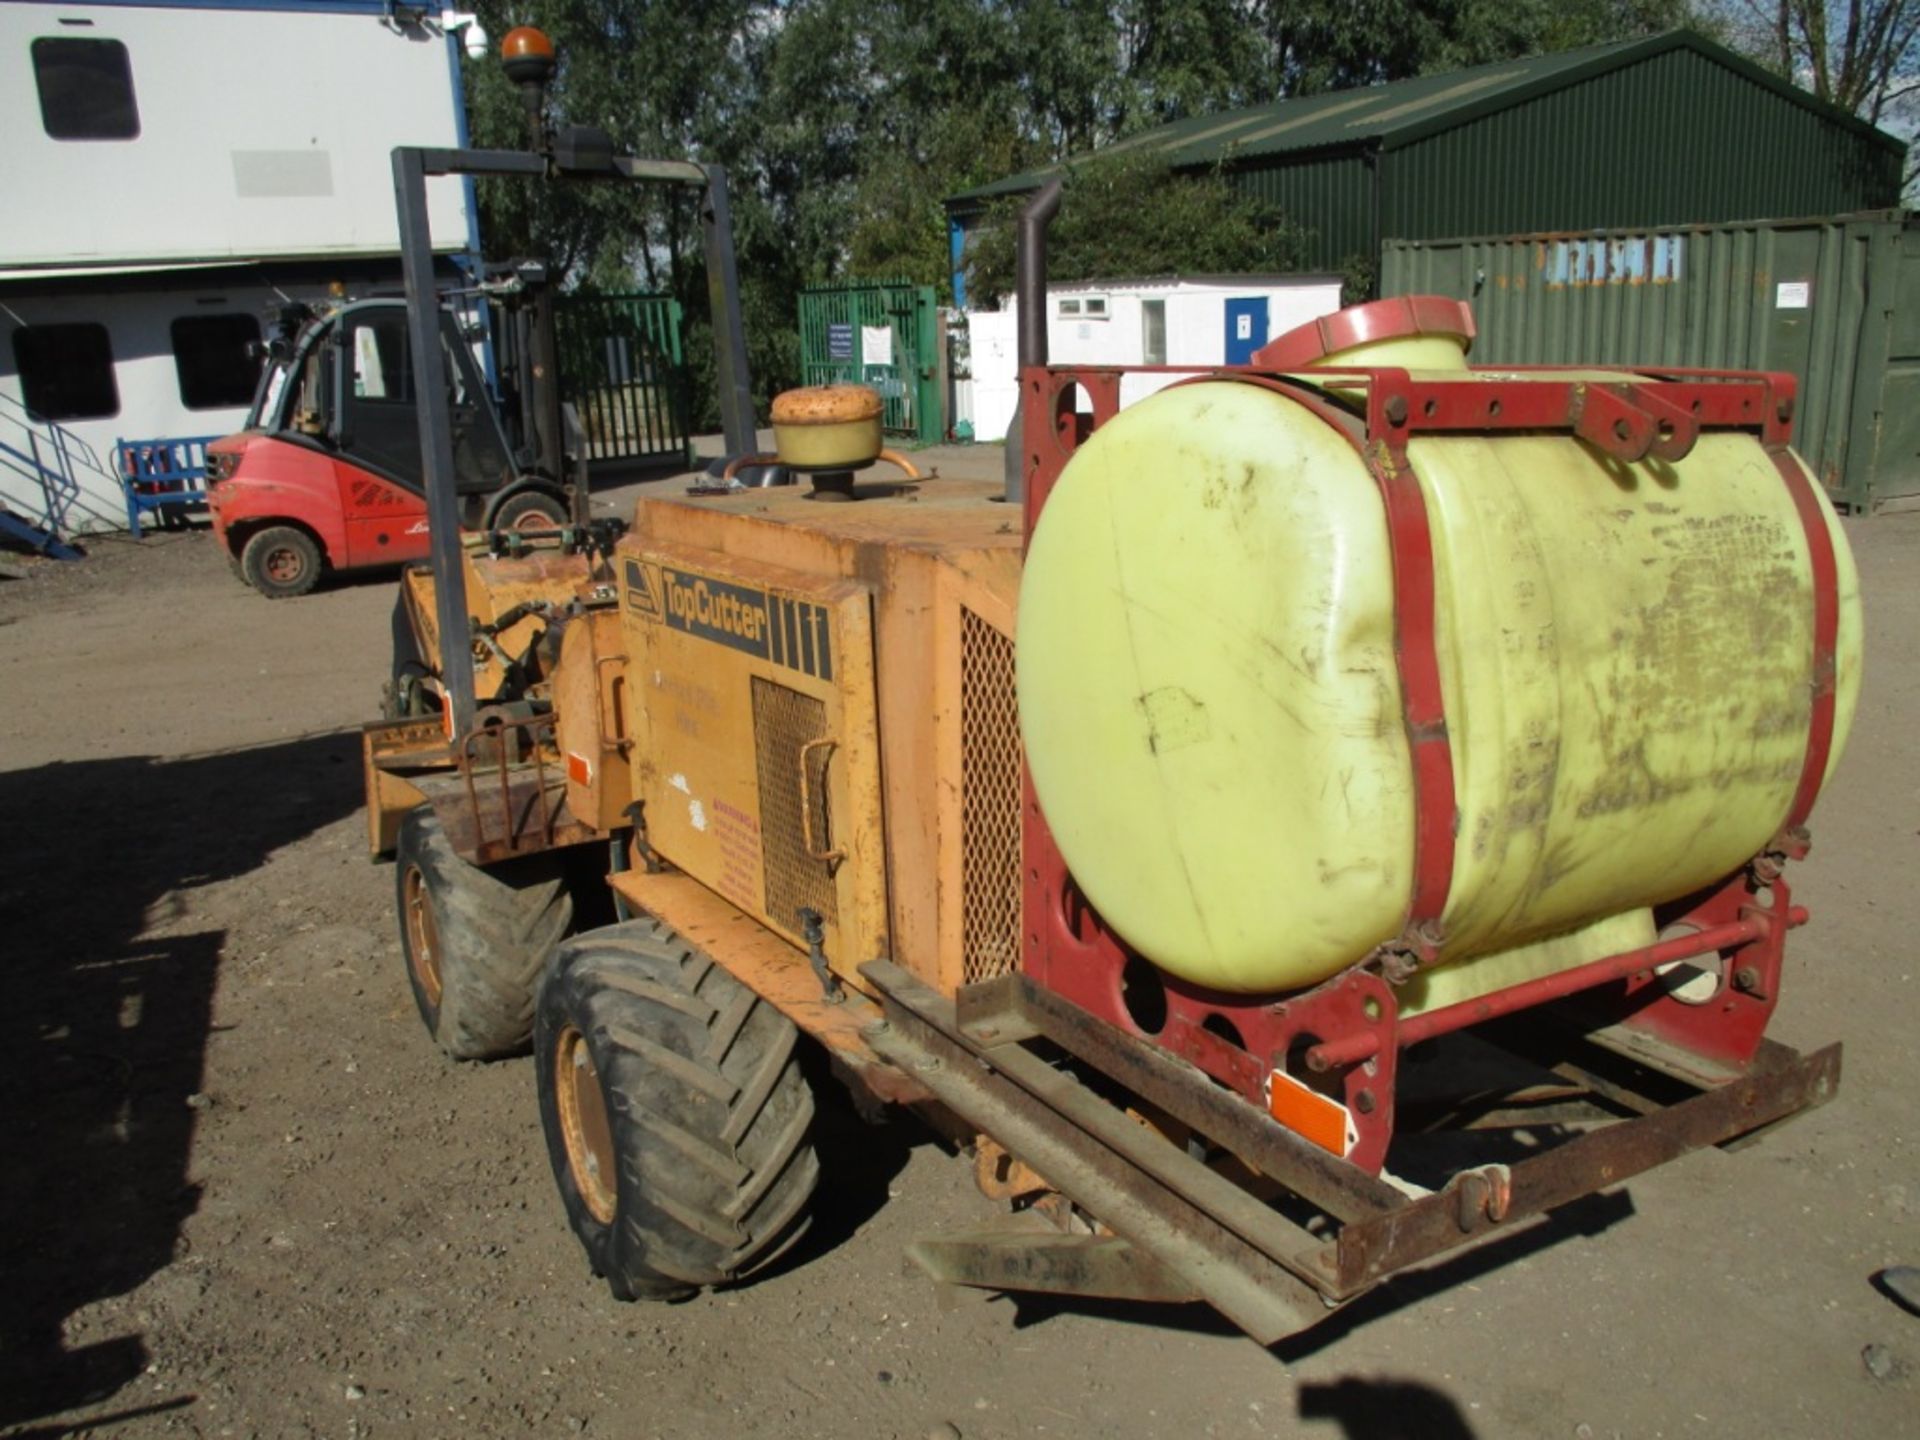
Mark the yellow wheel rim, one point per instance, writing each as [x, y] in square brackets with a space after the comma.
[584, 1128]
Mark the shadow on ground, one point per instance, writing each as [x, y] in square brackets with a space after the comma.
[103, 1033]
[1385, 1408]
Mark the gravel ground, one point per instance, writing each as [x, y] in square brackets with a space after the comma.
[243, 1196]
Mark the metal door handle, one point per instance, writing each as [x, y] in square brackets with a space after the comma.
[814, 852]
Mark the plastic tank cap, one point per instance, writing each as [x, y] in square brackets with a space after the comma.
[1402, 317]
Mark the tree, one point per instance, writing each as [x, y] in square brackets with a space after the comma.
[875, 111]
[1127, 215]
[1861, 55]
[666, 81]
[845, 124]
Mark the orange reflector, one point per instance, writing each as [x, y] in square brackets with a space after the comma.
[579, 770]
[1310, 1114]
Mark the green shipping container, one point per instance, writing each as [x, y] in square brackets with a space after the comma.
[1835, 303]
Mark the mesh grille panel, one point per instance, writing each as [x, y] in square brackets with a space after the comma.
[989, 803]
[783, 721]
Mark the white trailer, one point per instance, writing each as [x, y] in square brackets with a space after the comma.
[1202, 321]
[173, 170]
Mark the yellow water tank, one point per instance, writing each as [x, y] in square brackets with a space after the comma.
[1211, 705]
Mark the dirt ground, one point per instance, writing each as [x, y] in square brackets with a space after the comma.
[242, 1195]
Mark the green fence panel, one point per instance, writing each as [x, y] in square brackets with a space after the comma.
[623, 370]
[884, 334]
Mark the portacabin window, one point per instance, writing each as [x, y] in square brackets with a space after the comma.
[86, 88]
[1153, 332]
[216, 358]
[66, 371]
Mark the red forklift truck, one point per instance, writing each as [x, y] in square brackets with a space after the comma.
[327, 475]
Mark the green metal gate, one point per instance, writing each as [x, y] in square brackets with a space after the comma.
[885, 334]
[622, 369]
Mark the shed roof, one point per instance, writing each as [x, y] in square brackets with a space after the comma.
[1401, 112]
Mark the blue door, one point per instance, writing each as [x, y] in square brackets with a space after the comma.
[1246, 329]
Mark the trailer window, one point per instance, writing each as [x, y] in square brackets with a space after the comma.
[66, 371]
[86, 89]
[216, 359]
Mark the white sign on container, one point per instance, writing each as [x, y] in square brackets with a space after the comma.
[1792, 294]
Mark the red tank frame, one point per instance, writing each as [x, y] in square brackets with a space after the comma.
[1343, 1038]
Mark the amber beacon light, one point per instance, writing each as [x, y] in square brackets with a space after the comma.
[527, 55]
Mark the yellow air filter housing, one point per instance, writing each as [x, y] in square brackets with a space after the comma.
[1211, 707]
[827, 427]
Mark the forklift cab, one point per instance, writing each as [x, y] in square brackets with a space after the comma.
[329, 474]
[347, 385]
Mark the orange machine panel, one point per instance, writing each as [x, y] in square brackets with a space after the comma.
[757, 760]
[591, 727]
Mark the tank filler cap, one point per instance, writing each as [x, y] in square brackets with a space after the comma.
[1360, 327]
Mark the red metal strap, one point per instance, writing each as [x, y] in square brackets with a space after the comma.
[1826, 631]
[1422, 703]
[1416, 648]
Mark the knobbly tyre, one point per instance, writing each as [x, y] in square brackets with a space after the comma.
[1365, 701]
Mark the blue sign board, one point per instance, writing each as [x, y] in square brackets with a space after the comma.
[840, 342]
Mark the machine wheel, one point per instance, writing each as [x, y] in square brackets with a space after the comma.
[530, 510]
[474, 939]
[281, 562]
[677, 1119]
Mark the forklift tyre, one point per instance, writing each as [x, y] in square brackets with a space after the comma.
[530, 510]
[677, 1118]
[475, 939]
[280, 562]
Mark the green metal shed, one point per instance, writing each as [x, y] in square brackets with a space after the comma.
[1671, 129]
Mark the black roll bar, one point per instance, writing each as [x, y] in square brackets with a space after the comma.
[412, 164]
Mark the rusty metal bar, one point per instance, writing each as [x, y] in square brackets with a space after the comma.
[1104, 1267]
[1007, 1009]
[527, 729]
[1546, 398]
[1479, 1202]
[1103, 1161]
[1363, 1045]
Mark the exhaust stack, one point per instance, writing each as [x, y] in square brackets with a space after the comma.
[1030, 290]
